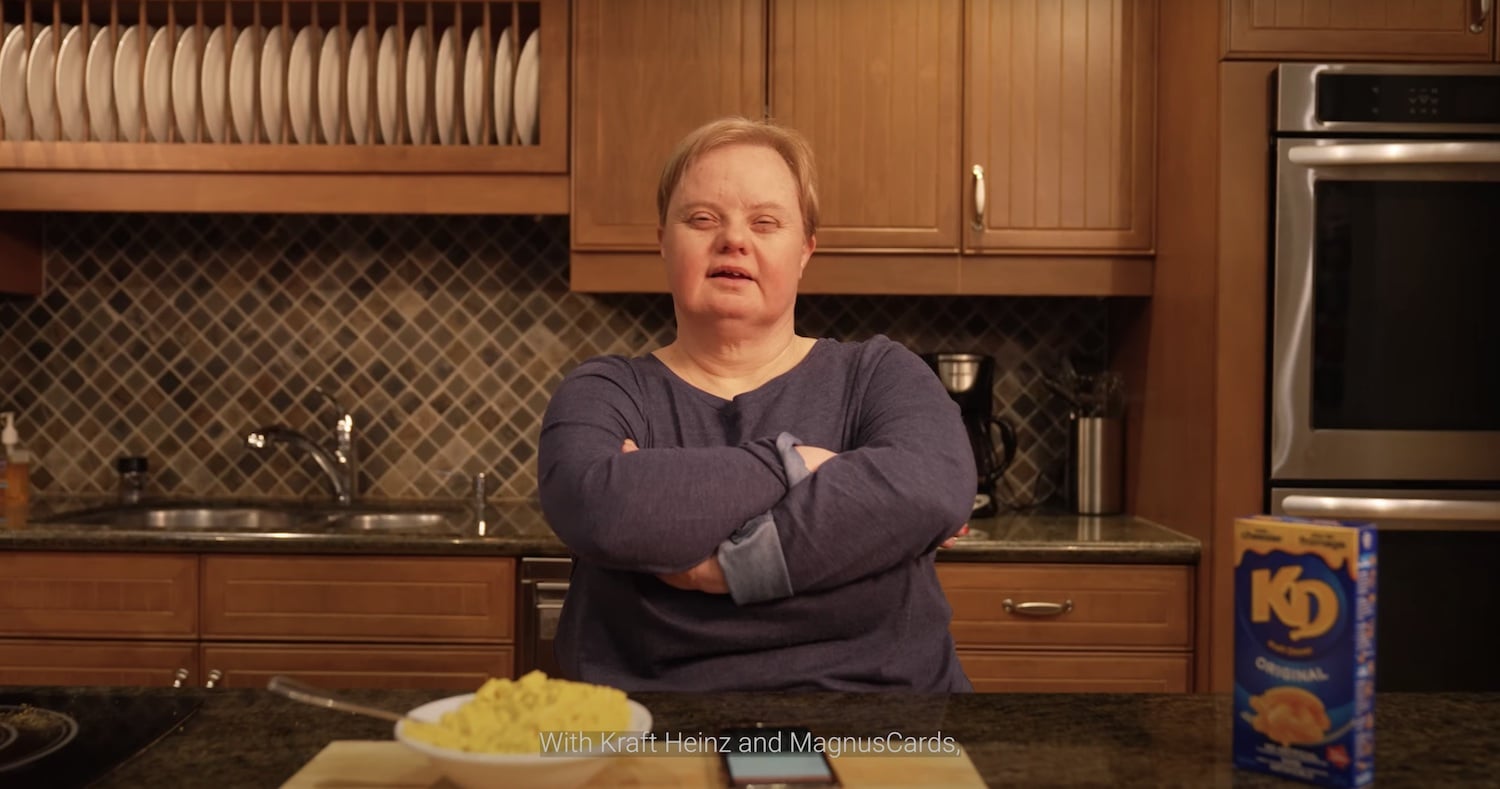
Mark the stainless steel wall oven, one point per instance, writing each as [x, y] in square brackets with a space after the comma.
[1385, 349]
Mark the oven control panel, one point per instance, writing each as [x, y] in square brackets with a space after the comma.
[1405, 98]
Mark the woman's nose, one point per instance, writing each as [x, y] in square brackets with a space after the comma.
[733, 239]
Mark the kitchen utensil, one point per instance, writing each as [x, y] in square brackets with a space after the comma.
[504, 89]
[242, 76]
[418, 58]
[528, 68]
[99, 73]
[186, 70]
[387, 92]
[41, 91]
[474, 87]
[273, 81]
[297, 690]
[215, 85]
[13, 56]
[445, 75]
[68, 82]
[329, 83]
[302, 83]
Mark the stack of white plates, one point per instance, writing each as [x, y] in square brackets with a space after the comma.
[216, 84]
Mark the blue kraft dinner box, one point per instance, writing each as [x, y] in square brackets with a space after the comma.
[1304, 649]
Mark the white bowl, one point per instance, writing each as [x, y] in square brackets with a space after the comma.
[483, 770]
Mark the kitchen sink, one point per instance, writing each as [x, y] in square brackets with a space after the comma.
[290, 519]
[253, 519]
[393, 522]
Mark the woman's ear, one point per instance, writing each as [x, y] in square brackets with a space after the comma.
[807, 251]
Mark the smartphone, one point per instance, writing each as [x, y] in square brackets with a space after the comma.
[773, 757]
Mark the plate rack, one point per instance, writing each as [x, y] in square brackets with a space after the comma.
[421, 86]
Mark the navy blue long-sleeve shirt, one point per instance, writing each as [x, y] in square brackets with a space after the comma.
[832, 572]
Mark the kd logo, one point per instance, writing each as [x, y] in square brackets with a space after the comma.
[1292, 601]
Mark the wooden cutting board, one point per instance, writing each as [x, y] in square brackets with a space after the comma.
[365, 764]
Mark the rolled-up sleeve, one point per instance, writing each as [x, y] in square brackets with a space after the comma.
[754, 567]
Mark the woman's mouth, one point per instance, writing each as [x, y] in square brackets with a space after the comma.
[729, 272]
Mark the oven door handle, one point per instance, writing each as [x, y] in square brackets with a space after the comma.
[1396, 153]
[1479, 514]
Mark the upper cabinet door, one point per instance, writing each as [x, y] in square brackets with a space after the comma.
[1360, 29]
[875, 86]
[1059, 104]
[647, 72]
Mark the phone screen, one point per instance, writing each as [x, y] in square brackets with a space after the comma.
[775, 756]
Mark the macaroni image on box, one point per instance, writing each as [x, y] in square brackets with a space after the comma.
[1304, 649]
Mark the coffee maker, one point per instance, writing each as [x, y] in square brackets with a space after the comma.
[969, 379]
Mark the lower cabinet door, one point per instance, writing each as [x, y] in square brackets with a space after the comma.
[356, 666]
[1076, 672]
[118, 663]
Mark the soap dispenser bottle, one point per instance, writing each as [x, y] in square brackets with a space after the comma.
[17, 464]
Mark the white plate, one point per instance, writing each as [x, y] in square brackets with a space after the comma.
[156, 85]
[386, 91]
[505, 52]
[302, 83]
[527, 76]
[186, 65]
[13, 110]
[41, 93]
[518, 769]
[418, 58]
[445, 88]
[215, 91]
[242, 77]
[447, 101]
[68, 79]
[330, 56]
[98, 87]
[273, 81]
[358, 86]
[474, 88]
[127, 80]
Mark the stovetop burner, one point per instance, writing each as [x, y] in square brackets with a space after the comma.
[71, 737]
[34, 733]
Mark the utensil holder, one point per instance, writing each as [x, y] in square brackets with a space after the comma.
[1096, 465]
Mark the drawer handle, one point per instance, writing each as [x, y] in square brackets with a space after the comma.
[179, 677]
[1036, 609]
[213, 678]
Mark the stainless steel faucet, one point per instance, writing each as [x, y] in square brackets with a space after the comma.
[338, 465]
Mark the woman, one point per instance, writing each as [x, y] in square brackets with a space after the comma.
[750, 509]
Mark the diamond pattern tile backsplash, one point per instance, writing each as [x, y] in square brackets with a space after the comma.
[172, 336]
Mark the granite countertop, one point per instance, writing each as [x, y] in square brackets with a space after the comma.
[517, 528]
[251, 738]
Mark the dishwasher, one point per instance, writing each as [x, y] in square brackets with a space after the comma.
[544, 584]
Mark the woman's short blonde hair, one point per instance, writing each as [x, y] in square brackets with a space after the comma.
[789, 143]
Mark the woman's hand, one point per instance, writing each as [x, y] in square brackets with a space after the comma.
[951, 541]
[813, 457]
[707, 576]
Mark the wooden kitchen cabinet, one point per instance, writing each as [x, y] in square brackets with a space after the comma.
[1072, 627]
[901, 100]
[98, 662]
[357, 665]
[193, 170]
[233, 621]
[647, 72]
[1451, 30]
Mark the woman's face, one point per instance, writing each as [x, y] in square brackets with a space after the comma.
[734, 241]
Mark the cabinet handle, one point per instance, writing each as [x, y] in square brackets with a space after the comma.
[1483, 8]
[179, 676]
[213, 678]
[1036, 609]
[979, 194]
